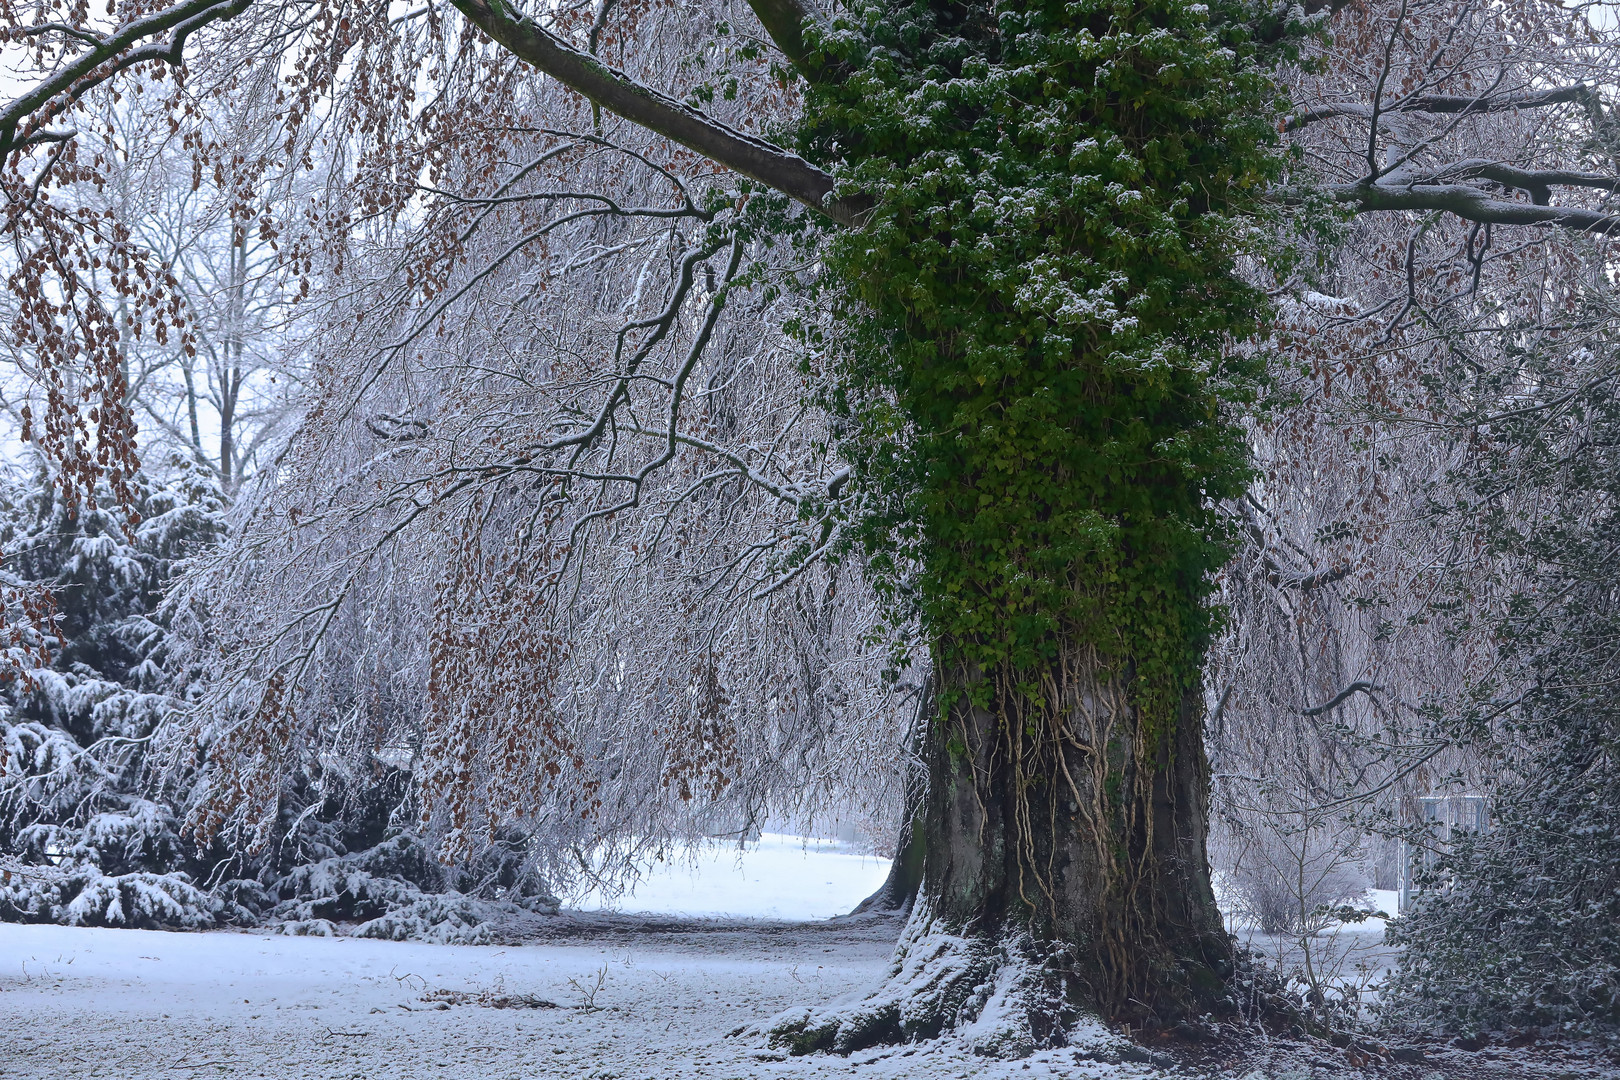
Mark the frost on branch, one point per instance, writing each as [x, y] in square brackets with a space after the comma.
[589, 599]
[93, 837]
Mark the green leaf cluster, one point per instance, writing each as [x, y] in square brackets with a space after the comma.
[1034, 377]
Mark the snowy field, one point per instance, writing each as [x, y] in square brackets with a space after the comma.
[676, 990]
[778, 877]
[599, 996]
[592, 995]
[129, 1004]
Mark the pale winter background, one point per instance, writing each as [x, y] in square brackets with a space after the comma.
[683, 989]
[432, 500]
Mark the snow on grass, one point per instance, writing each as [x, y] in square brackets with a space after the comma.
[778, 877]
[631, 1004]
[589, 996]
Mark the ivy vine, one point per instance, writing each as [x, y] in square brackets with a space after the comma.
[1032, 380]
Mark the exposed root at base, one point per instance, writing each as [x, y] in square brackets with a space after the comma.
[1006, 998]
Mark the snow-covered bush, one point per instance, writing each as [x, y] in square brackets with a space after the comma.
[140, 900]
[89, 847]
[92, 834]
[396, 891]
[1519, 924]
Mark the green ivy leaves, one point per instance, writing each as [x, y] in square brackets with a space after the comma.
[1033, 384]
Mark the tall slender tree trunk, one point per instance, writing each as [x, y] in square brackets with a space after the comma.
[191, 403]
[230, 379]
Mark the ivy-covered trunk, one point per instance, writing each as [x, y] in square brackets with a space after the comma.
[1063, 874]
[1034, 384]
[1081, 830]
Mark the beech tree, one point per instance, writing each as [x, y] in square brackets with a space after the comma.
[1373, 653]
[1041, 239]
[81, 286]
[1035, 674]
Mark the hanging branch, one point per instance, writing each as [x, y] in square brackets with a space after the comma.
[23, 121]
[659, 113]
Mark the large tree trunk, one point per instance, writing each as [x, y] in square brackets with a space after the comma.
[1064, 873]
[1078, 828]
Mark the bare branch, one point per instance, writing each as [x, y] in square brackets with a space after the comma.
[1444, 103]
[617, 92]
[106, 58]
[1535, 181]
[1340, 698]
[1472, 204]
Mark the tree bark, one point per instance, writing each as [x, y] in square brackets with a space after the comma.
[1064, 873]
[899, 889]
[1475, 204]
[1079, 828]
[784, 22]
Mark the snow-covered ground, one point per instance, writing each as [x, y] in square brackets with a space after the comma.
[778, 877]
[679, 990]
[130, 1004]
[1349, 955]
[592, 994]
[579, 996]
[605, 998]
[632, 998]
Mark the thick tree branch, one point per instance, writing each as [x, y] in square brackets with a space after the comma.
[658, 112]
[1318, 580]
[105, 58]
[1472, 204]
[1443, 103]
[784, 21]
[1340, 698]
[1536, 181]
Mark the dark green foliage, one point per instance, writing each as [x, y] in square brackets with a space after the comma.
[74, 737]
[96, 840]
[105, 573]
[1521, 926]
[1031, 373]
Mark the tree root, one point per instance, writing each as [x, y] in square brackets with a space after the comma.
[1007, 998]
